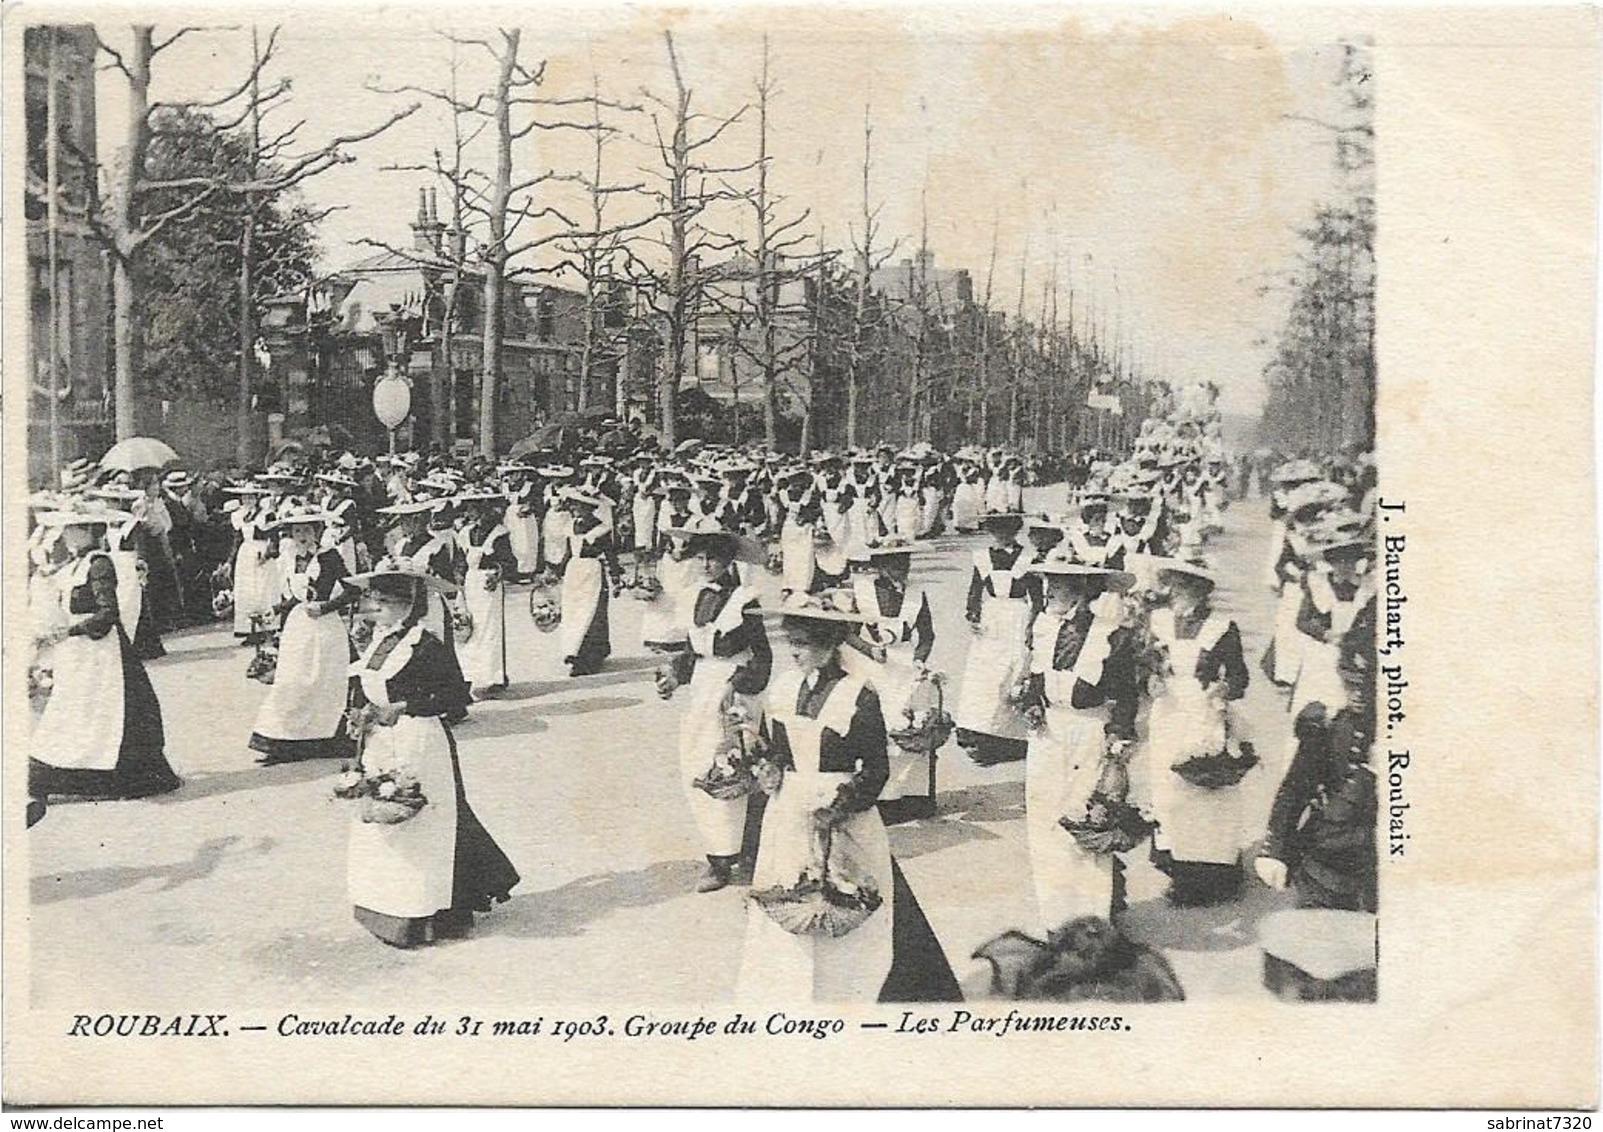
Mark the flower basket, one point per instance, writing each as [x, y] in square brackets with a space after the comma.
[389, 811]
[775, 562]
[387, 798]
[826, 899]
[461, 624]
[1109, 826]
[728, 778]
[223, 604]
[263, 665]
[646, 588]
[41, 681]
[545, 607]
[1219, 770]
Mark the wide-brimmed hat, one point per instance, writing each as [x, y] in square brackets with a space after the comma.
[400, 568]
[1159, 566]
[1019, 517]
[338, 479]
[585, 498]
[1063, 563]
[1296, 471]
[831, 605]
[83, 517]
[177, 481]
[411, 507]
[746, 548]
[300, 516]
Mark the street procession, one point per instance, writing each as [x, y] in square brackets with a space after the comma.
[646, 592]
[804, 689]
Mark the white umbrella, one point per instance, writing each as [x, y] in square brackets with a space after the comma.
[138, 452]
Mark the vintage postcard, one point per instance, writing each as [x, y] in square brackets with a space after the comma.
[810, 555]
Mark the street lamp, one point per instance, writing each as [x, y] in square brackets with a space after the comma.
[392, 392]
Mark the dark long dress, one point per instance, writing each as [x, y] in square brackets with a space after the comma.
[141, 769]
[426, 688]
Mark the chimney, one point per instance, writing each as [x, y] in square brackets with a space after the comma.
[426, 229]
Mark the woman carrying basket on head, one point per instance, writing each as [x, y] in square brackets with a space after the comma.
[865, 938]
[419, 880]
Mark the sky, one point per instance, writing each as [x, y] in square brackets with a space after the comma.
[1156, 167]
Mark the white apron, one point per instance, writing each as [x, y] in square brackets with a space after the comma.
[909, 516]
[837, 519]
[968, 502]
[1015, 495]
[523, 532]
[483, 657]
[438, 614]
[555, 531]
[644, 511]
[582, 579]
[931, 511]
[1060, 773]
[256, 577]
[862, 524]
[701, 729]
[130, 591]
[1288, 639]
[405, 870]
[81, 728]
[996, 495]
[775, 965]
[998, 656]
[799, 559]
[309, 692]
[1319, 680]
[893, 681]
[661, 621]
[1195, 824]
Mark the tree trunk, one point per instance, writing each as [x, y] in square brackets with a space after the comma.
[243, 438]
[125, 218]
[495, 262]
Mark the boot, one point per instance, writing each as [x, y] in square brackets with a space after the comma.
[719, 870]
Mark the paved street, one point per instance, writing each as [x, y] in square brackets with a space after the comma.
[231, 891]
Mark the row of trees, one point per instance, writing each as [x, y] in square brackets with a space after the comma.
[1321, 378]
[698, 236]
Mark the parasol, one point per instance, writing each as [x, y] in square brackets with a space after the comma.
[138, 452]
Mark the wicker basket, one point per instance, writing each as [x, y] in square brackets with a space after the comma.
[389, 811]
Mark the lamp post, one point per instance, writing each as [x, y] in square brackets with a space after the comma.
[392, 392]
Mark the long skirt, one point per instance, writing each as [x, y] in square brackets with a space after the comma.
[1283, 662]
[484, 655]
[256, 584]
[1060, 774]
[523, 532]
[929, 520]
[892, 956]
[988, 720]
[586, 635]
[968, 503]
[661, 628]
[798, 557]
[422, 879]
[101, 734]
[909, 516]
[721, 823]
[1200, 832]
[303, 716]
[438, 621]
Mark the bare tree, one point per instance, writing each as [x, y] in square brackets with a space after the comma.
[871, 255]
[684, 137]
[126, 223]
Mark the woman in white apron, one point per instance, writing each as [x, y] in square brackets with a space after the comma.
[487, 554]
[522, 521]
[589, 571]
[798, 556]
[1002, 600]
[896, 645]
[1200, 831]
[1084, 694]
[662, 626]
[1333, 597]
[303, 716]
[428, 545]
[643, 510]
[933, 505]
[420, 880]
[968, 500]
[727, 664]
[101, 733]
[256, 581]
[909, 513]
[558, 522]
[825, 764]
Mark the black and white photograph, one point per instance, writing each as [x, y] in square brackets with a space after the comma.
[756, 529]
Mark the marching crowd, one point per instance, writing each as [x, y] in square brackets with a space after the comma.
[374, 595]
